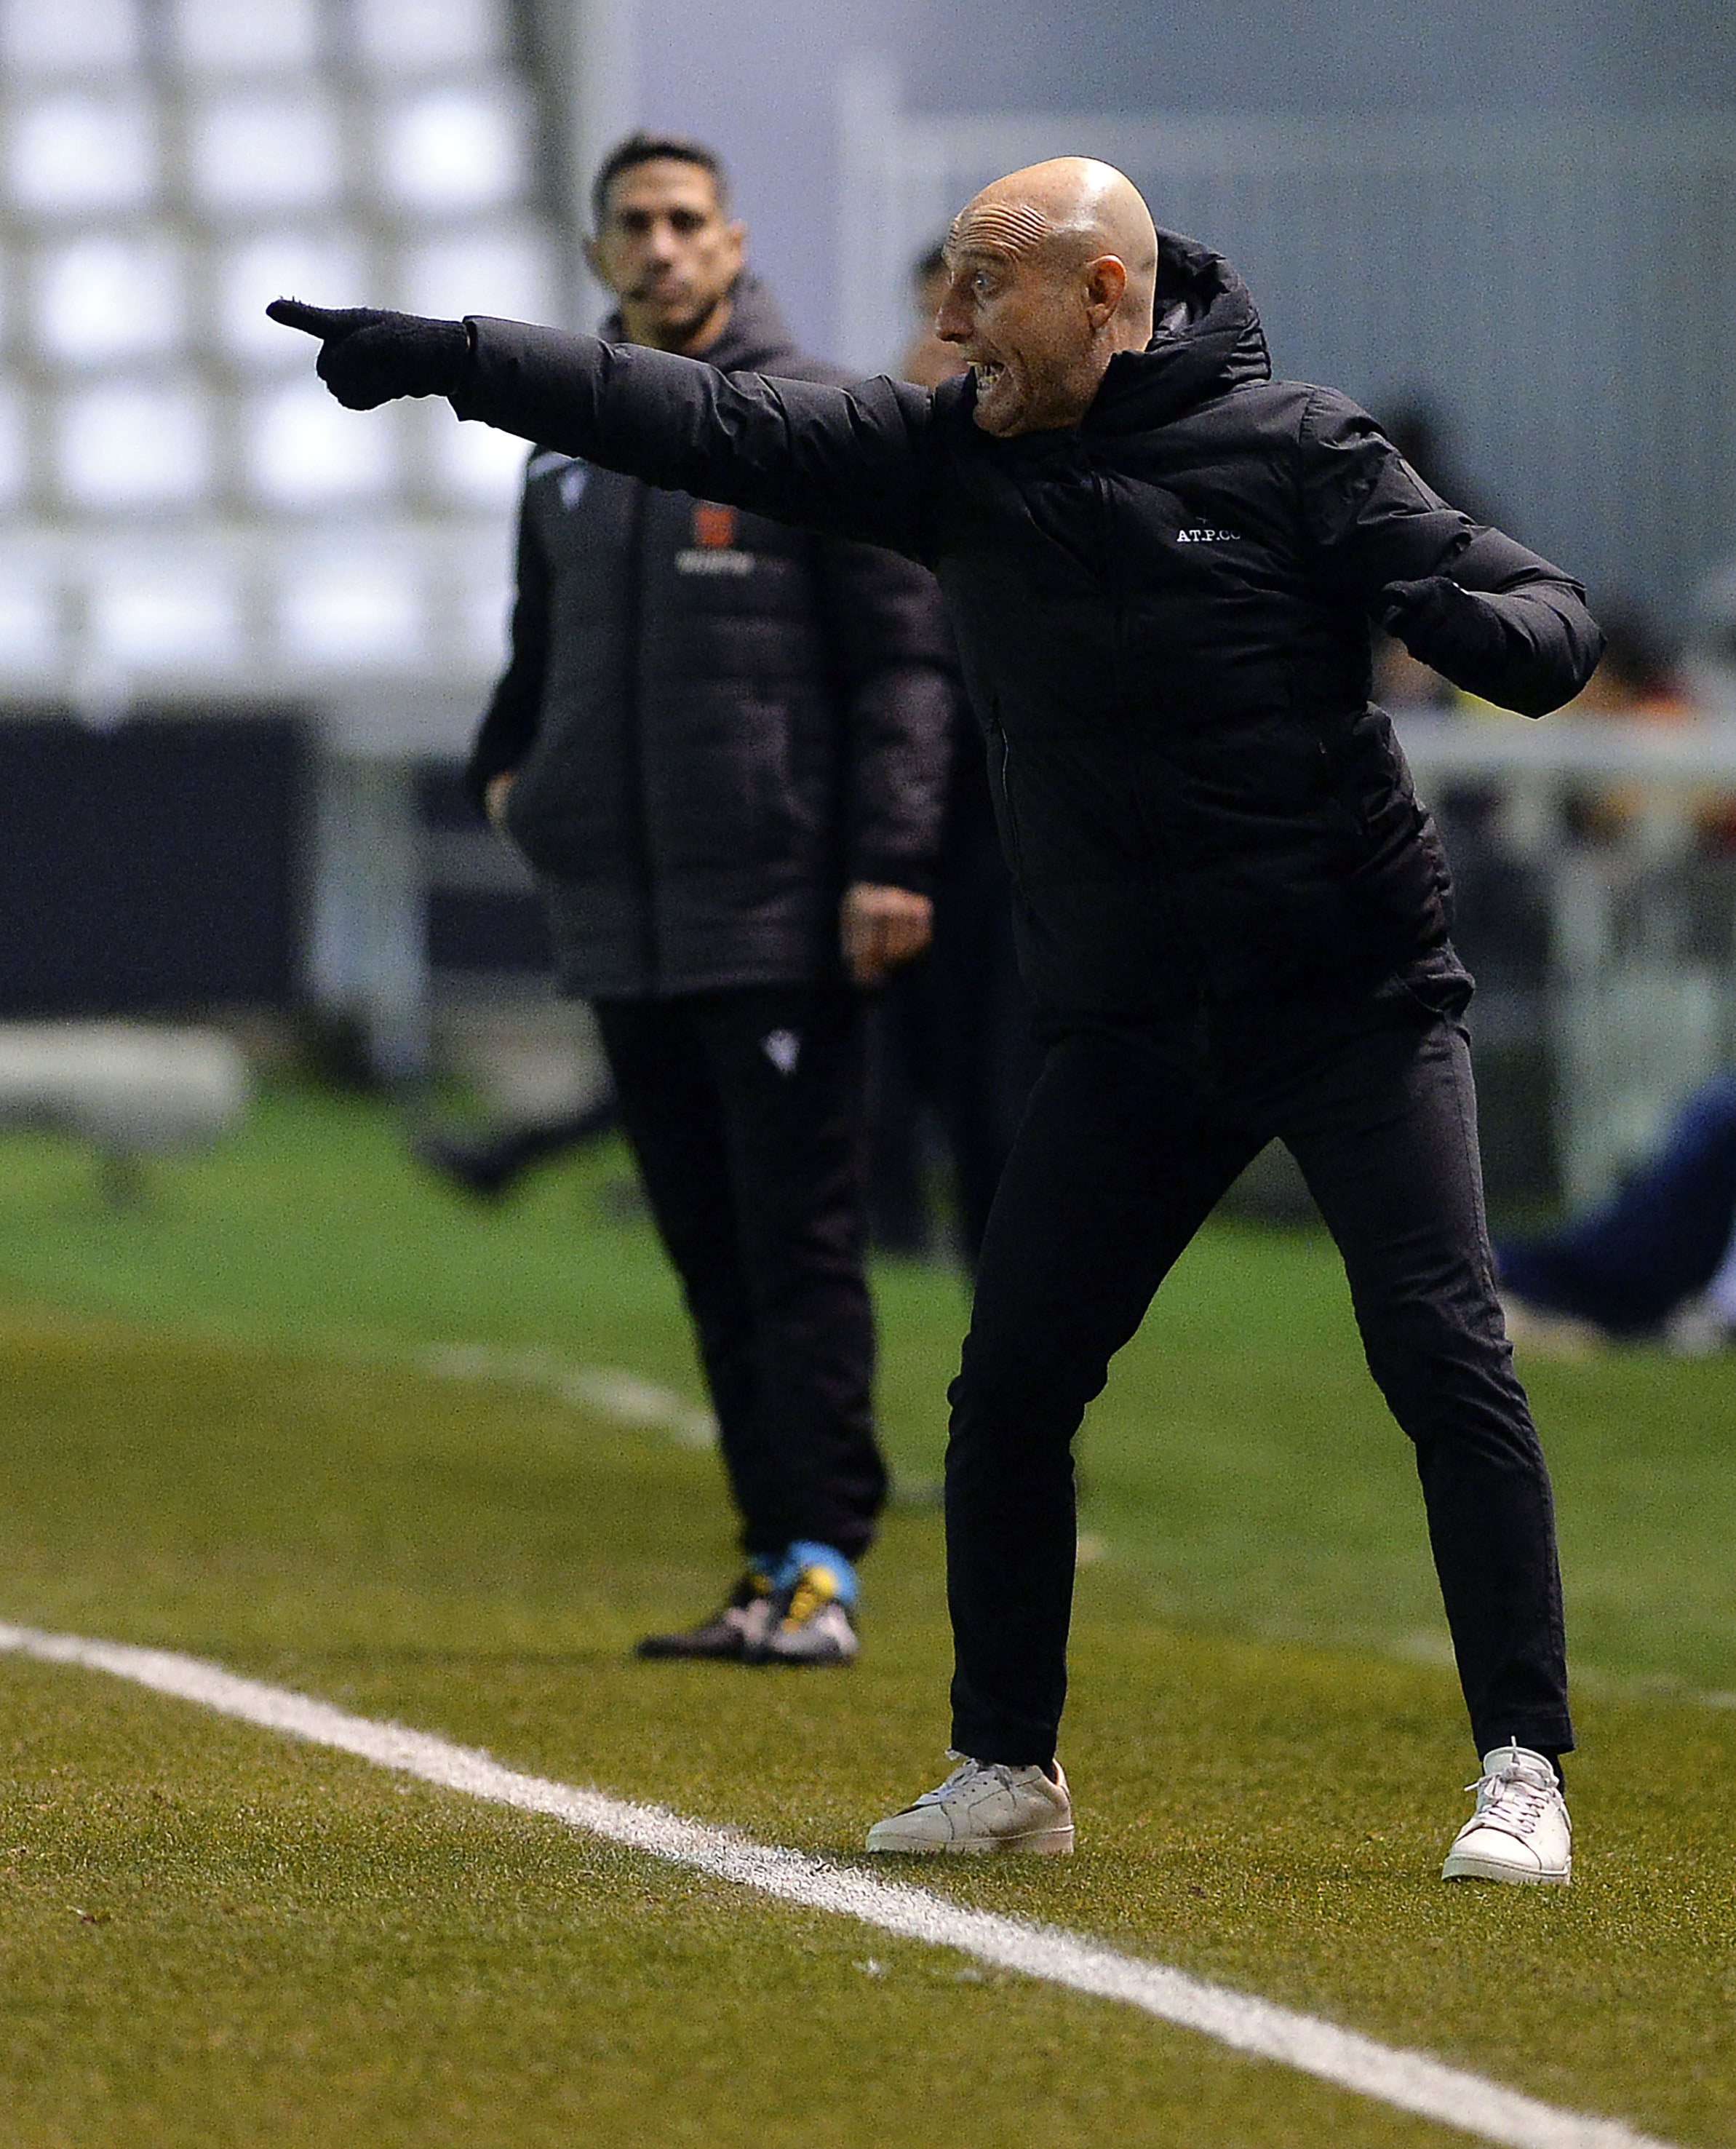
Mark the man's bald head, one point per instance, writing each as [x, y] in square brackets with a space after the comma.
[1052, 270]
[1073, 210]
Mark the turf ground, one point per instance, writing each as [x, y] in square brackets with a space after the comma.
[229, 1437]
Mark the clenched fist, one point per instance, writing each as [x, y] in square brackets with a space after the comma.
[882, 928]
[1435, 618]
[368, 356]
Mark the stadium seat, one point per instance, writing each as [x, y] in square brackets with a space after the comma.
[218, 36]
[265, 150]
[304, 451]
[426, 36]
[134, 444]
[81, 152]
[69, 36]
[352, 610]
[108, 298]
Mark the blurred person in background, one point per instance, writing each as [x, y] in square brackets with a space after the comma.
[928, 360]
[1653, 1262]
[952, 1035]
[723, 745]
[490, 1163]
[1160, 565]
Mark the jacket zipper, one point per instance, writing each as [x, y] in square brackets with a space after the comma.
[1015, 850]
[644, 861]
[1162, 877]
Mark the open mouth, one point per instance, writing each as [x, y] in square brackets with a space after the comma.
[987, 372]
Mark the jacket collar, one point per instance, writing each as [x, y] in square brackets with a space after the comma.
[1208, 339]
[756, 338]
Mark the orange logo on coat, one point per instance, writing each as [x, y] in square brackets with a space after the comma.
[714, 528]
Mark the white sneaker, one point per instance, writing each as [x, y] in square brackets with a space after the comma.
[1519, 1830]
[985, 1806]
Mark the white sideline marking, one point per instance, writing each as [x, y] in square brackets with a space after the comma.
[1411, 2082]
[628, 1398]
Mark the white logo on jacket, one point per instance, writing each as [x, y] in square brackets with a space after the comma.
[697, 560]
[783, 1049]
[574, 475]
[1201, 535]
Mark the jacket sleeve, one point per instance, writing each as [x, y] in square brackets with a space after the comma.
[845, 462]
[1525, 640]
[892, 652]
[509, 727]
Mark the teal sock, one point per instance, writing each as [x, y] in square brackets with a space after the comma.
[806, 1552]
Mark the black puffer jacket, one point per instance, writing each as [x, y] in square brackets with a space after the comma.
[1163, 618]
[716, 722]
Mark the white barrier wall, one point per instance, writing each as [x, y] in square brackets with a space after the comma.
[1638, 1005]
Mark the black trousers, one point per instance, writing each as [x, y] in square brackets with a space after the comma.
[1131, 1135]
[745, 1113]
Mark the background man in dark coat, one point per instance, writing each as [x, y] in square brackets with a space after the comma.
[723, 745]
[1161, 566]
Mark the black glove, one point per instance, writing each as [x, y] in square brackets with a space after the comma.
[1445, 626]
[368, 356]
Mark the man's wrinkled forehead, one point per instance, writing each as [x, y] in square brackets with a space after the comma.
[1003, 230]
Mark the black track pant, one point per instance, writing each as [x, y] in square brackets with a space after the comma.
[746, 1112]
[1131, 1137]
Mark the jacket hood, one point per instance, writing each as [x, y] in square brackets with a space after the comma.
[756, 338]
[1208, 338]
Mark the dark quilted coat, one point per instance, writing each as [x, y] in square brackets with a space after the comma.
[716, 721]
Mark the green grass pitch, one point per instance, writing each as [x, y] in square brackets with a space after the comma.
[222, 1438]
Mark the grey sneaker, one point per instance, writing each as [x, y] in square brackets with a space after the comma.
[985, 1806]
[806, 1624]
[729, 1635]
[1519, 1830]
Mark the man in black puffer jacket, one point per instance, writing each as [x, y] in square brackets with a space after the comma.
[722, 744]
[1161, 566]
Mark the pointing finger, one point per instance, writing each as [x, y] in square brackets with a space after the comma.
[328, 323]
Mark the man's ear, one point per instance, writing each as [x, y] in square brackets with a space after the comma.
[1106, 286]
[593, 260]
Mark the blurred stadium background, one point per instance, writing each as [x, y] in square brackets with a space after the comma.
[243, 634]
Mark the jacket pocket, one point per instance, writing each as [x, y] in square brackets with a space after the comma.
[564, 815]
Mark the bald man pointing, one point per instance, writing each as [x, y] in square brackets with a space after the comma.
[1162, 566]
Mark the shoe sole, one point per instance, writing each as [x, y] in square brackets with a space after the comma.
[1038, 1843]
[1480, 1869]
